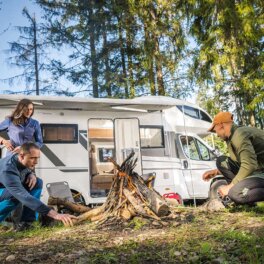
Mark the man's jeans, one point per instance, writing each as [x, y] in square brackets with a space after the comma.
[8, 203]
[247, 191]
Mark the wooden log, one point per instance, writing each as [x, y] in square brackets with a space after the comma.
[136, 204]
[125, 214]
[98, 217]
[149, 181]
[131, 209]
[156, 202]
[77, 208]
[88, 215]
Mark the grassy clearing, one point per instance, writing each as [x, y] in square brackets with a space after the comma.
[232, 236]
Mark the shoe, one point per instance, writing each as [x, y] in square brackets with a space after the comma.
[252, 205]
[46, 221]
[23, 226]
[226, 201]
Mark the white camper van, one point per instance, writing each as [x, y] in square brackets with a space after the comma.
[80, 134]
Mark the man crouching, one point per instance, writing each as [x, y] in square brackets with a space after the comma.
[18, 183]
[243, 170]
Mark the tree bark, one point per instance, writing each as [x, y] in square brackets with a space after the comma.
[93, 50]
[107, 67]
[156, 203]
[36, 54]
[123, 60]
[150, 59]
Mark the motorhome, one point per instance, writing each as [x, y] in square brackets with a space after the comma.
[80, 134]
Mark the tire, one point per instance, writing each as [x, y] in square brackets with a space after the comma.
[213, 194]
[78, 198]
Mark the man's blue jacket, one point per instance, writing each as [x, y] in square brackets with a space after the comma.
[12, 177]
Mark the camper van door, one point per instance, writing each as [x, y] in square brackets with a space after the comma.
[198, 159]
[127, 139]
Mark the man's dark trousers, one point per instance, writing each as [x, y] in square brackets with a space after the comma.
[247, 191]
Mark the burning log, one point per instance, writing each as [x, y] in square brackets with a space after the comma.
[129, 196]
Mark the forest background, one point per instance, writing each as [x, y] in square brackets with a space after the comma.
[129, 48]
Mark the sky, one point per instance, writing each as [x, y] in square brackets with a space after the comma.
[10, 17]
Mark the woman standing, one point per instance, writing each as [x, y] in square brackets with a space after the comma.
[22, 128]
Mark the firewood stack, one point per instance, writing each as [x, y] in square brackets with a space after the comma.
[129, 196]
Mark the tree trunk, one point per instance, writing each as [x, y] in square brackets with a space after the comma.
[93, 51]
[36, 55]
[107, 67]
[161, 88]
[150, 59]
[130, 65]
[157, 55]
[123, 60]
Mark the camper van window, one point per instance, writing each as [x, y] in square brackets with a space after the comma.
[189, 147]
[151, 136]
[194, 113]
[195, 149]
[205, 117]
[59, 133]
[189, 111]
[204, 151]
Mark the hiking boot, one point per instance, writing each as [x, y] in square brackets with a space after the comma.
[46, 221]
[226, 201]
[252, 204]
[23, 226]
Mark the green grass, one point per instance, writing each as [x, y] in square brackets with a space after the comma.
[37, 230]
[137, 223]
[233, 236]
[244, 245]
[256, 211]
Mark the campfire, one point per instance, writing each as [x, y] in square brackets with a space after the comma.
[128, 197]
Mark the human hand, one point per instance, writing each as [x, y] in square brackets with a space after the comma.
[223, 190]
[31, 181]
[65, 218]
[7, 144]
[210, 174]
[16, 149]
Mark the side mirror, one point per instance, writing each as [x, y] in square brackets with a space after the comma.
[216, 152]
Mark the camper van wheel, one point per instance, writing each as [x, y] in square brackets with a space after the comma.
[213, 193]
[77, 197]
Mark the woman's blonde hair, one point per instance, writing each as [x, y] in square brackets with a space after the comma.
[17, 116]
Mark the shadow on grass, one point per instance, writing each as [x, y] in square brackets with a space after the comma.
[179, 245]
[256, 210]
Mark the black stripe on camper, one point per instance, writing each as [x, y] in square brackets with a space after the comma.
[51, 156]
[75, 170]
[83, 138]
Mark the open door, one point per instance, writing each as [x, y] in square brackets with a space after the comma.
[101, 147]
[127, 139]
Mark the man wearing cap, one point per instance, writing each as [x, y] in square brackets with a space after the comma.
[244, 168]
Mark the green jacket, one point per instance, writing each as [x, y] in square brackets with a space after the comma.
[246, 146]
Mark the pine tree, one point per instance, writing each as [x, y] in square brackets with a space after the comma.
[28, 50]
[230, 58]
